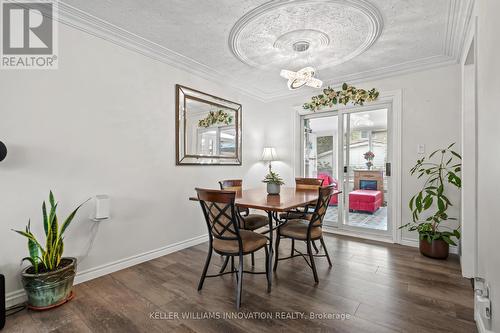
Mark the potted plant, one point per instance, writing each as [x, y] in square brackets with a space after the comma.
[369, 156]
[273, 181]
[48, 282]
[441, 173]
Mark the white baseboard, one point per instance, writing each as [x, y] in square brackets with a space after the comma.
[14, 298]
[336, 231]
[19, 296]
[414, 243]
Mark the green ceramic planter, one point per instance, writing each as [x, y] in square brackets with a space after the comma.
[49, 289]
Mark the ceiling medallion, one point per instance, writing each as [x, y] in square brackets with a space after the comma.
[335, 30]
[316, 39]
[303, 77]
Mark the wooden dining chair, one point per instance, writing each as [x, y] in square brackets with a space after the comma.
[226, 237]
[301, 212]
[302, 184]
[247, 221]
[307, 230]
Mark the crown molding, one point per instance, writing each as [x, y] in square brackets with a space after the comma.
[460, 12]
[459, 15]
[83, 21]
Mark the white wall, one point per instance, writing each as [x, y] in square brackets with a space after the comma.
[488, 65]
[430, 116]
[104, 123]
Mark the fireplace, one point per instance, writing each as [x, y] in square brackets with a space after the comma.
[365, 184]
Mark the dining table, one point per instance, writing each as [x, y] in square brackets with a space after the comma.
[288, 199]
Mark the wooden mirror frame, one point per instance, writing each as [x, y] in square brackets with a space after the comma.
[181, 157]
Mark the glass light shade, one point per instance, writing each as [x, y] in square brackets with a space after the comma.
[269, 154]
[303, 77]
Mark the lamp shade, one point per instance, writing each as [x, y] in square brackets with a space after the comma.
[269, 154]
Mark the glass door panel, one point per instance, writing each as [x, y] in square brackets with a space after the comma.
[320, 154]
[365, 179]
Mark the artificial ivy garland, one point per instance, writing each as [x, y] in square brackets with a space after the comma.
[215, 117]
[348, 94]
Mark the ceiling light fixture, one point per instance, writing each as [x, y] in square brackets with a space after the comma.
[303, 77]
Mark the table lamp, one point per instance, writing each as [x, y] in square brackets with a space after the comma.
[269, 155]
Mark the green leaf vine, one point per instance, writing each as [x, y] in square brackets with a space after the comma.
[215, 117]
[331, 97]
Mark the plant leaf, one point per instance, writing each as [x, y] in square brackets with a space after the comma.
[51, 199]
[456, 154]
[45, 218]
[70, 217]
[441, 204]
[427, 202]
[448, 240]
[434, 153]
[411, 202]
[30, 236]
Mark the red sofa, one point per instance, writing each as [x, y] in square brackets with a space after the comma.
[365, 200]
[327, 180]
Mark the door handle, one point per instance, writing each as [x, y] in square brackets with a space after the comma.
[388, 169]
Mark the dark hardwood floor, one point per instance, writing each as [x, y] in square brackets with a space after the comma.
[381, 287]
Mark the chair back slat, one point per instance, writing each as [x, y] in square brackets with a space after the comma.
[219, 211]
[308, 183]
[231, 185]
[234, 185]
[324, 195]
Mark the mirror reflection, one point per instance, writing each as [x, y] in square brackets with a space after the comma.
[208, 129]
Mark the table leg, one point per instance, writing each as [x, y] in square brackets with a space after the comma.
[271, 255]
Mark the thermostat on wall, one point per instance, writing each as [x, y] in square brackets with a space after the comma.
[101, 208]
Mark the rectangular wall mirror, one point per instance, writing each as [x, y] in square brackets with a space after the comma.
[208, 129]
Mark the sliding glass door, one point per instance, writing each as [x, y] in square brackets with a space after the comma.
[321, 150]
[351, 150]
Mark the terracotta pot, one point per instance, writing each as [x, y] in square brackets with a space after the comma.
[436, 249]
[46, 290]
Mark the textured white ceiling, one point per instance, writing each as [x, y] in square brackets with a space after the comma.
[351, 39]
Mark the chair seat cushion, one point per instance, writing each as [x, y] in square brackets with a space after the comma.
[254, 221]
[292, 215]
[297, 229]
[252, 241]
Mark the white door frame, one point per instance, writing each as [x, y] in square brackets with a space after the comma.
[468, 243]
[393, 99]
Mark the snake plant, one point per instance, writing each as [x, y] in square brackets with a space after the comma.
[49, 257]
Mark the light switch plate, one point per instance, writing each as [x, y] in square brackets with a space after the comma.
[421, 149]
